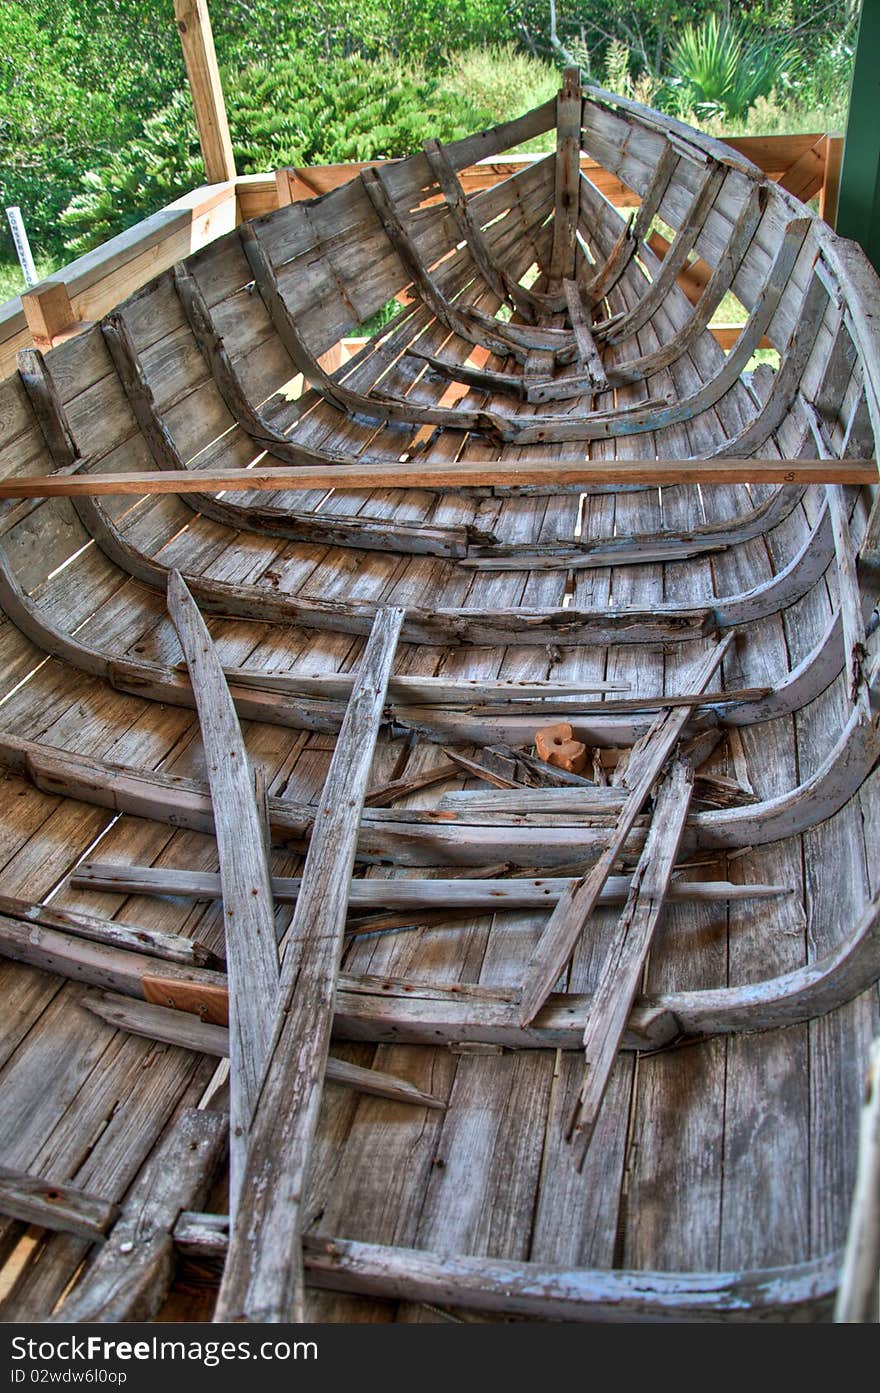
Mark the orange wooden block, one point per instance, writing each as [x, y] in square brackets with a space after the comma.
[555, 745]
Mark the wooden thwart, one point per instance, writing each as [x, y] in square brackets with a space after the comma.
[557, 943]
[441, 475]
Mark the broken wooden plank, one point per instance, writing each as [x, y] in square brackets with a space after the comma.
[566, 923]
[248, 908]
[129, 1277]
[626, 952]
[537, 892]
[159, 943]
[441, 475]
[60, 1207]
[191, 1033]
[263, 1279]
[587, 350]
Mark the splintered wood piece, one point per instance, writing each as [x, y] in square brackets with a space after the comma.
[129, 1277]
[586, 344]
[59, 1207]
[156, 1022]
[565, 925]
[556, 745]
[627, 951]
[479, 771]
[569, 108]
[263, 1278]
[248, 907]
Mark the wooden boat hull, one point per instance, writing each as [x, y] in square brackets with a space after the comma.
[586, 513]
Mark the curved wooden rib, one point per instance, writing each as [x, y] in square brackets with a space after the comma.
[454, 319]
[383, 1009]
[564, 1294]
[635, 420]
[615, 331]
[439, 837]
[335, 530]
[464, 625]
[374, 406]
[502, 285]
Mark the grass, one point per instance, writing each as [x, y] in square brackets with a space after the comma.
[12, 281]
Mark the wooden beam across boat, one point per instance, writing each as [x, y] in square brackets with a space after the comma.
[443, 476]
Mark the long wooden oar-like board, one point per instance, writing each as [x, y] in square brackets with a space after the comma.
[442, 475]
[263, 1279]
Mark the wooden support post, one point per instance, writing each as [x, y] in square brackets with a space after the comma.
[194, 24]
[569, 108]
[263, 1279]
[830, 191]
[50, 315]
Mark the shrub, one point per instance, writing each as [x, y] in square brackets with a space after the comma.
[296, 112]
[720, 68]
[501, 78]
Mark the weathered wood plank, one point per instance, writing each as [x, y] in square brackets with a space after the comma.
[626, 952]
[569, 106]
[248, 909]
[540, 892]
[566, 923]
[443, 476]
[263, 1275]
[858, 1292]
[545, 1292]
[52, 1206]
[191, 1033]
[130, 1275]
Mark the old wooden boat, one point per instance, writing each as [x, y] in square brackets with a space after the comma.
[600, 1005]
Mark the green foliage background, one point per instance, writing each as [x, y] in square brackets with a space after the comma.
[96, 129]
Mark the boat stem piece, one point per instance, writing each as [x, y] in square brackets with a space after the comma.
[569, 111]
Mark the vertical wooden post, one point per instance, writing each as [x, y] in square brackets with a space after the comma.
[858, 213]
[194, 24]
[830, 191]
[49, 313]
[569, 111]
